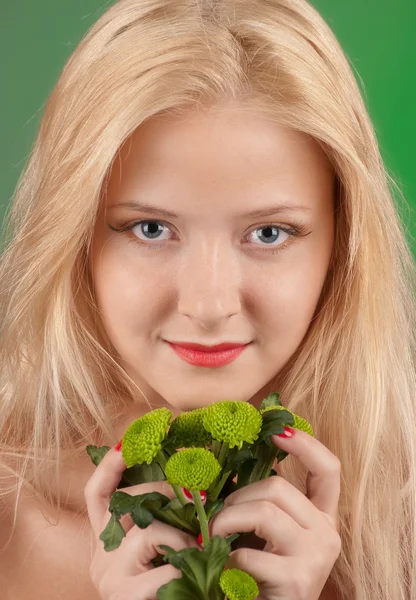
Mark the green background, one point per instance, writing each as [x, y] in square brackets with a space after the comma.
[37, 37]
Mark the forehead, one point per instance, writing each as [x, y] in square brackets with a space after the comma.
[226, 156]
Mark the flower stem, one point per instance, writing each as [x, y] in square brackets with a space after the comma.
[203, 521]
[262, 454]
[214, 494]
[222, 458]
[216, 447]
[269, 463]
[161, 459]
[180, 495]
[223, 453]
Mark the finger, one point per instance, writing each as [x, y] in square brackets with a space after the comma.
[324, 479]
[280, 492]
[140, 547]
[189, 497]
[146, 585]
[268, 522]
[267, 569]
[103, 483]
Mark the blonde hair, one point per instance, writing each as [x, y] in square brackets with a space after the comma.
[354, 375]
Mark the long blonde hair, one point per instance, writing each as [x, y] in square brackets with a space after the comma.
[354, 375]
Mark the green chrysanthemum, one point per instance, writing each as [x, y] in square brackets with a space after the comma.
[143, 438]
[238, 585]
[299, 422]
[188, 430]
[192, 468]
[232, 421]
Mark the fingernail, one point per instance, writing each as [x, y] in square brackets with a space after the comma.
[288, 432]
[200, 539]
[118, 447]
[188, 494]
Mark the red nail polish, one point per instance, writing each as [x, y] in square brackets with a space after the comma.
[118, 447]
[288, 432]
[188, 494]
[200, 539]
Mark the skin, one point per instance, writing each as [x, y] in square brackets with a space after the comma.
[213, 277]
[216, 278]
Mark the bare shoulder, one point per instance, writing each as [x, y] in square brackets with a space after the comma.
[43, 559]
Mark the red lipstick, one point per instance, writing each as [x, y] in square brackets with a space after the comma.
[208, 356]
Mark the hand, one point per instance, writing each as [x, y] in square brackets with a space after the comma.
[127, 572]
[302, 532]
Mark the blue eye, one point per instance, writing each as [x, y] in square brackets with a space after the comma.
[149, 228]
[153, 229]
[271, 233]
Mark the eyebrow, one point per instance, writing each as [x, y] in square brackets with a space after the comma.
[262, 212]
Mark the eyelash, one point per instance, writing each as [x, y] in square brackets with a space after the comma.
[297, 229]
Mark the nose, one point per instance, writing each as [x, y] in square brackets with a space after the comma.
[209, 285]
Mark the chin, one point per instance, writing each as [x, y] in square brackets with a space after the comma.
[197, 401]
[191, 404]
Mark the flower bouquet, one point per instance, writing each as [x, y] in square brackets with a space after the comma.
[205, 454]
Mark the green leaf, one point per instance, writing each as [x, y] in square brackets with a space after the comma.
[141, 516]
[113, 534]
[245, 471]
[177, 515]
[158, 561]
[239, 458]
[212, 508]
[134, 475]
[153, 500]
[143, 473]
[274, 422]
[178, 558]
[216, 556]
[231, 538]
[201, 571]
[97, 453]
[189, 510]
[271, 400]
[121, 503]
[169, 444]
[178, 588]
[281, 416]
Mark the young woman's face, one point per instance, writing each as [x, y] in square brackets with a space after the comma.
[212, 273]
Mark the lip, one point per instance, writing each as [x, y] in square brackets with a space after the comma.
[201, 348]
[202, 358]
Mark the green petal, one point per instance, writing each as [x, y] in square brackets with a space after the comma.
[233, 421]
[238, 585]
[192, 468]
[142, 439]
[188, 430]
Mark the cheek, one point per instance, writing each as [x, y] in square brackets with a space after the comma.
[290, 294]
[128, 294]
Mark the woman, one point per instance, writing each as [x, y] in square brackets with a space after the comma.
[209, 112]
